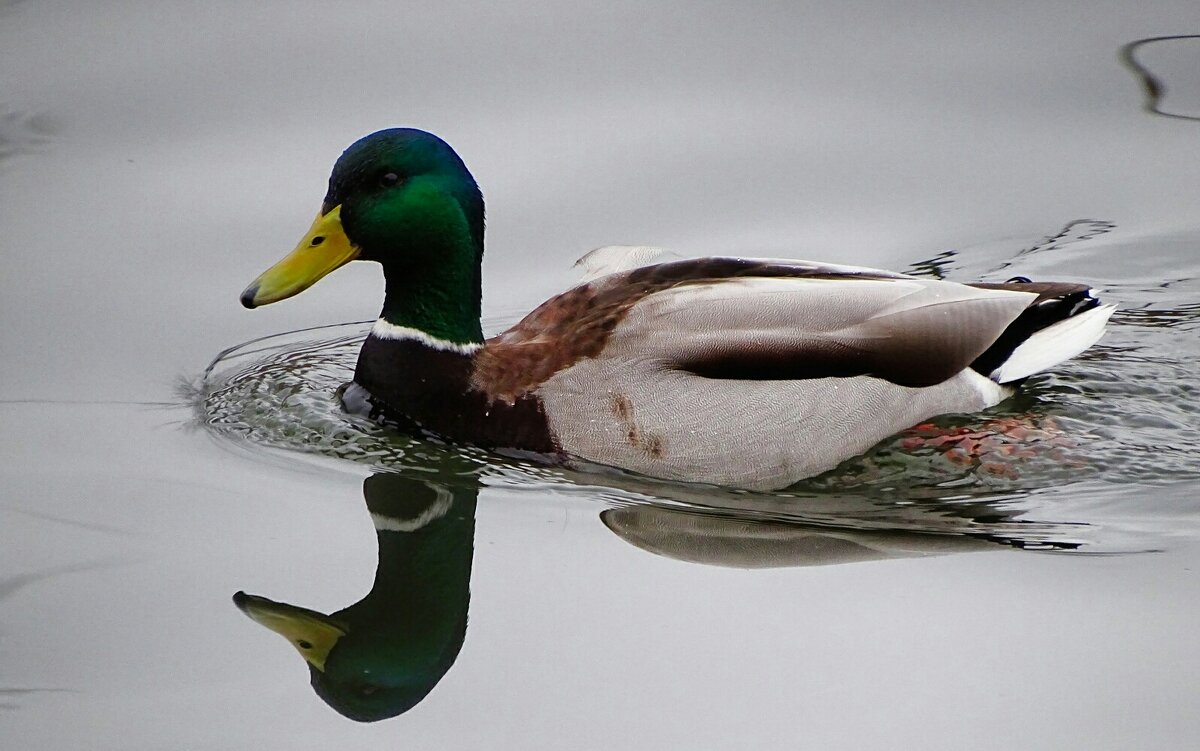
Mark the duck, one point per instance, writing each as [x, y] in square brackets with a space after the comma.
[751, 373]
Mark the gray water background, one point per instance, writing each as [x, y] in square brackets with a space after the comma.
[155, 157]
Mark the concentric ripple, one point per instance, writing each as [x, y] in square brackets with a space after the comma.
[283, 392]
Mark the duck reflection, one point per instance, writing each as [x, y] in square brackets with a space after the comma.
[382, 655]
[719, 527]
[728, 541]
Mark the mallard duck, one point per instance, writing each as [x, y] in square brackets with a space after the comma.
[751, 373]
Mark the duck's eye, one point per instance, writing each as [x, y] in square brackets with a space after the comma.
[388, 179]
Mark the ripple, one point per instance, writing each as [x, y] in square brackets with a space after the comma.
[284, 392]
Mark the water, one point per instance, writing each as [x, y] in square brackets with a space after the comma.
[152, 161]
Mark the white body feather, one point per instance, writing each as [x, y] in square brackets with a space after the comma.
[634, 406]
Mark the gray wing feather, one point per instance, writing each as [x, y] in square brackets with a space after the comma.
[911, 332]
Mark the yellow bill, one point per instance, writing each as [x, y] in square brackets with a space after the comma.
[324, 248]
[313, 634]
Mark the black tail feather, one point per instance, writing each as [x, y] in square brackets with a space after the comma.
[1056, 301]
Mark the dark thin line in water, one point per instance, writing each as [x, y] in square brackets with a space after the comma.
[934, 268]
[230, 350]
[69, 522]
[1102, 553]
[1074, 231]
[1153, 87]
[10, 585]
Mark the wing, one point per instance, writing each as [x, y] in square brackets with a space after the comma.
[909, 331]
[754, 319]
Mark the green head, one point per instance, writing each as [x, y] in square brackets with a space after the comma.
[402, 198]
[404, 192]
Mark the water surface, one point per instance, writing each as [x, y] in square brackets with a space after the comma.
[1039, 592]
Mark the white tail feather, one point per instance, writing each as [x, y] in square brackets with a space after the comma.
[1054, 344]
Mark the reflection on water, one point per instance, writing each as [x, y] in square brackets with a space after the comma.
[726, 540]
[886, 525]
[382, 655]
